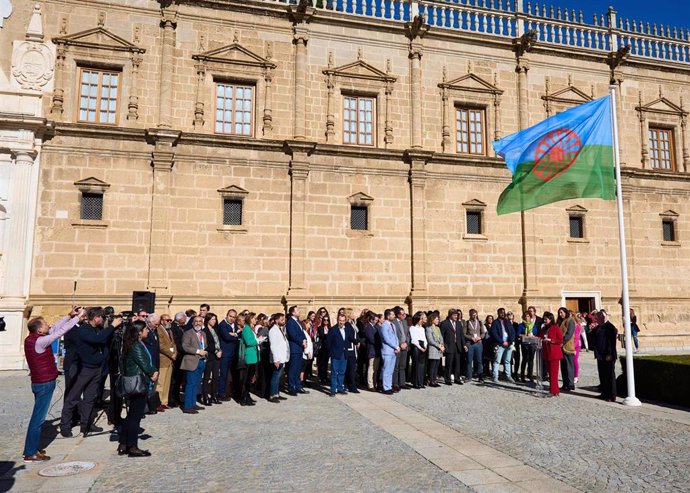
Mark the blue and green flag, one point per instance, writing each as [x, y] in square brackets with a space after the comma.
[566, 156]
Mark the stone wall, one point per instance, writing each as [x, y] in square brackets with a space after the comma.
[162, 227]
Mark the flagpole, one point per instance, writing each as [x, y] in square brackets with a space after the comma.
[631, 400]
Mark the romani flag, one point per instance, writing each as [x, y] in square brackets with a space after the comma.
[566, 156]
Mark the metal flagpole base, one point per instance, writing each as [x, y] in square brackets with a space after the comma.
[632, 401]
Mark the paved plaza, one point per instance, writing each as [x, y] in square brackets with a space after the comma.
[492, 437]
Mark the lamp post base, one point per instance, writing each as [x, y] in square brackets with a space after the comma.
[632, 401]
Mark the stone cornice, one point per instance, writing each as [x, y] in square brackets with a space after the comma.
[217, 140]
[14, 121]
[87, 130]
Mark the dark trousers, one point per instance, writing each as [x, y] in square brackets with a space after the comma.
[209, 387]
[246, 376]
[528, 351]
[452, 366]
[516, 359]
[322, 364]
[607, 378]
[129, 434]
[294, 370]
[225, 369]
[175, 384]
[433, 370]
[115, 406]
[399, 371]
[474, 354]
[418, 358]
[568, 370]
[351, 371]
[86, 383]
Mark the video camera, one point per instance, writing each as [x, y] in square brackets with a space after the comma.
[109, 315]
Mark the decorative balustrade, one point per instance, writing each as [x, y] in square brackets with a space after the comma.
[512, 18]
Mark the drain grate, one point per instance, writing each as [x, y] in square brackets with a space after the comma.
[66, 469]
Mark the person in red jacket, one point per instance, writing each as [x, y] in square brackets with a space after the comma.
[553, 351]
[44, 372]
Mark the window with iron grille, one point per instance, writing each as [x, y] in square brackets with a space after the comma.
[232, 212]
[669, 229]
[661, 155]
[92, 206]
[469, 131]
[358, 120]
[234, 109]
[577, 227]
[474, 222]
[359, 217]
[98, 96]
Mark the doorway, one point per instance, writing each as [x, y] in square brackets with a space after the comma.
[580, 304]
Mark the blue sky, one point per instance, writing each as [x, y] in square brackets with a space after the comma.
[674, 13]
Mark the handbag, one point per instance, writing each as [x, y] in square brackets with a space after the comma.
[131, 385]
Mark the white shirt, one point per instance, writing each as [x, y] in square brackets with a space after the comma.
[417, 333]
[280, 351]
[309, 350]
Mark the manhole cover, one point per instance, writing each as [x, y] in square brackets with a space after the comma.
[66, 469]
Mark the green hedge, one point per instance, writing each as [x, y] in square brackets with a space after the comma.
[663, 378]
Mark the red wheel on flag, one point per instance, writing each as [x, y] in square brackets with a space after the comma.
[555, 153]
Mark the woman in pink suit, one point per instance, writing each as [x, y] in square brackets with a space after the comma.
[577, 339]
[552, 348]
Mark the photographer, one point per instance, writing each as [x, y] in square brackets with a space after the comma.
[91, 352]
[114, 355]
[39, 357]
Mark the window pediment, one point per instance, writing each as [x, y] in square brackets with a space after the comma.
[669, 214]
[360, 198]
[234, 54]
[576, 209]
[98, 38]
[662, 106]
[570, 95]
[474, 204]
[92, 184]
[471, 83]
[233, 191]
[359, 70]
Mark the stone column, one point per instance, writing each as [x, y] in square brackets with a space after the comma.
[497, 117]
[268, 103]
[299, 172]
[417, 160]
[416, 93]
[133, 105]
[58, 101]
[21, 203]
[388, 126]
[300, 39]
[330, 117]
[684, 141]
[446, 143]
[165, 91]
[199, 103]
[162, 162]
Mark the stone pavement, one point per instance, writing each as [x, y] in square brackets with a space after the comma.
[461, 438]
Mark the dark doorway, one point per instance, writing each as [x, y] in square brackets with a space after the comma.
[581, 305]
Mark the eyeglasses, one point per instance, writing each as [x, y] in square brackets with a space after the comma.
[166, 320]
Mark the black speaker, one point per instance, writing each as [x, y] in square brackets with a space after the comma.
[143, 300]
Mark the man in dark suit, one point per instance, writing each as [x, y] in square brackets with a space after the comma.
[605, 353]
[338, 340]
[402, 330]
[454, 342]
[502, 335]
[350, 369]
[229, 339]
[177, 373]
[204, 308]
[297, 342]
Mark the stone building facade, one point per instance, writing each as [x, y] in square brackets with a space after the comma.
[258, 154]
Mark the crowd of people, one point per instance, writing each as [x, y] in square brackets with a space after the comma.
[157, 362]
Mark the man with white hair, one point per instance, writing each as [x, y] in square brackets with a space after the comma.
[605, 353]
[177, 328]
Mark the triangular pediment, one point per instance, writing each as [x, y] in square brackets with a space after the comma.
[570, 94]
[234, 54]
[360, 70]
[232, 190]
[91, 183]
[662, 105]
[360, 198]
[98, 38]
[474, 203]
[576, 209]
[669, 214]
[471, 82]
